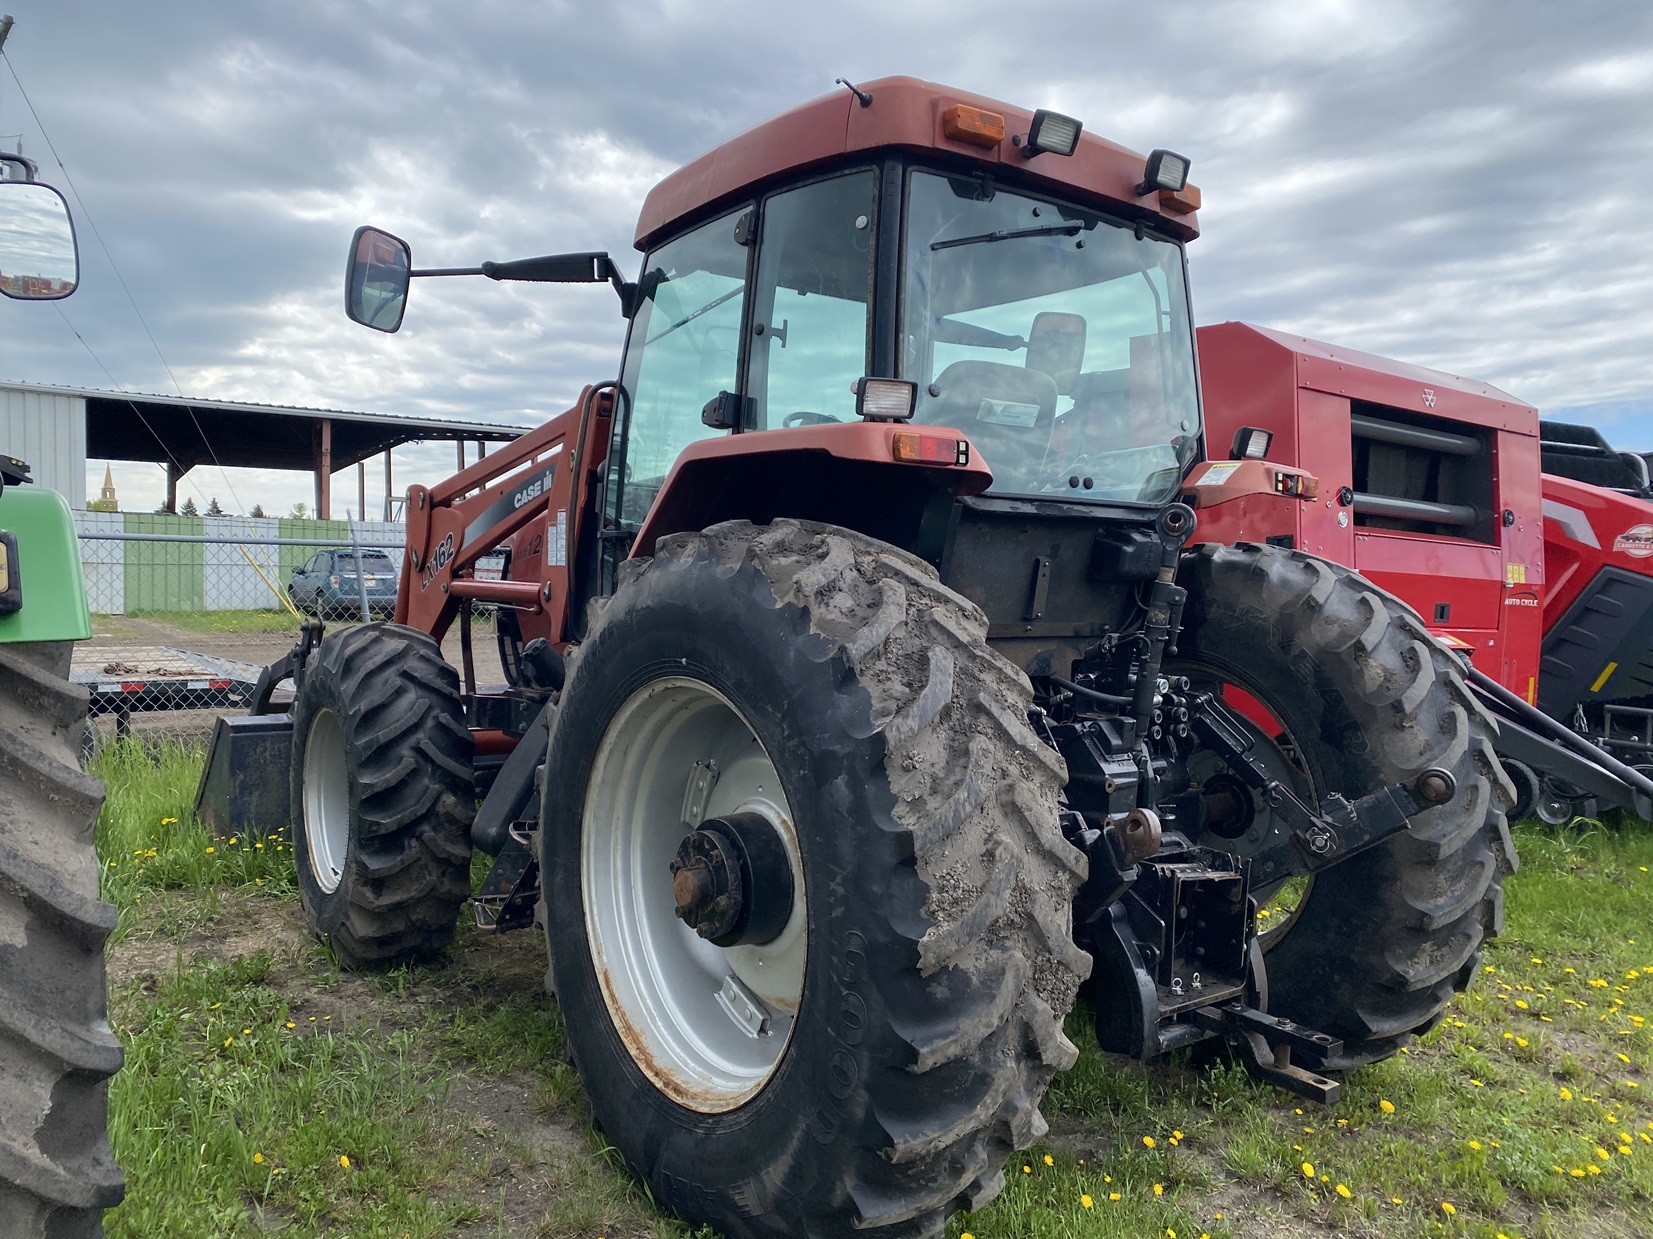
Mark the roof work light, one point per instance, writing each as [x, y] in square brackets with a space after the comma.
[1052, 133]
[1165, 170]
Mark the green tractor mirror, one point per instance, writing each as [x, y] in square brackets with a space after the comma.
[38, 257]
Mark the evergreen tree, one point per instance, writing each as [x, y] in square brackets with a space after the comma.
[189, 508]
[299, 512]
[258, 511]
[212, 507]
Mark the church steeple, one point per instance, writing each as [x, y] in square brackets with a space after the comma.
[108, 494]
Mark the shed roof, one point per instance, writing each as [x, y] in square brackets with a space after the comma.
[240, 434]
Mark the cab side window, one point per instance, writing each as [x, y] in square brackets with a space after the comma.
[809, 311]
[684, 348]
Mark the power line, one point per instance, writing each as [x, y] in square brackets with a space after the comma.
[131, 300]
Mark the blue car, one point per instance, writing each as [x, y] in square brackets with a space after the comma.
[327, 585]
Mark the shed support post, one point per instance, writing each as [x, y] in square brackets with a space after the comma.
[361, 490]
[388, 490]
[324, 471]
[173, 473]
[460, 444]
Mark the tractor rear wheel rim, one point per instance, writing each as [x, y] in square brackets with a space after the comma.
[326, 800]
[707, 1025]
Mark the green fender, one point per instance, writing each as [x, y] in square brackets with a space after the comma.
[46, 567]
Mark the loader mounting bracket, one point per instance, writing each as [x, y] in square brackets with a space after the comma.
[511, 891]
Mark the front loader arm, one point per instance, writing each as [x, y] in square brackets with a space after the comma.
[451, 525]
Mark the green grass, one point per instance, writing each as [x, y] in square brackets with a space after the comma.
[277, 620]
[1492, 1112]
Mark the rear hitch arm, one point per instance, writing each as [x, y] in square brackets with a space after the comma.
[1339, 829]
[1266, 1045]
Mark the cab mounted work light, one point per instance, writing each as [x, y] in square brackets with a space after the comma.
[1165, 170]
[1051, 133]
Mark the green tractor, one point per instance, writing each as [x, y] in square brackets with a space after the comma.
[57, 1173]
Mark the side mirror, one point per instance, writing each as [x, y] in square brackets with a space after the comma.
[376, 279]
[39, 260]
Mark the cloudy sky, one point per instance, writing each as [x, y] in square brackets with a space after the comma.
[1459, 184]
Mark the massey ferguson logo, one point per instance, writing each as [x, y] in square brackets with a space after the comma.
[1637, 541]
[440, 558]
[1429, 397]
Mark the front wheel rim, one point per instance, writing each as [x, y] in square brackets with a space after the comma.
[708, 1026]
[326, 800]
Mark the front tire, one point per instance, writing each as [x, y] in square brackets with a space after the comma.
[382, 795]
[1366, 697]
[57, 1174]
[836, 685]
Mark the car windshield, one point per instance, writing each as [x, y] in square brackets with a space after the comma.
[1057, 340]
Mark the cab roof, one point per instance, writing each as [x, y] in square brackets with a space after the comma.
[905, 114]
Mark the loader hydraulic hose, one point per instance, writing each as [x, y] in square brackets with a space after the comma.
[1544, 725]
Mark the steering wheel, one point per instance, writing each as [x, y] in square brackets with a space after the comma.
[809, 419]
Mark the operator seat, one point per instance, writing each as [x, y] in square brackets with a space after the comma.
[1006, 411]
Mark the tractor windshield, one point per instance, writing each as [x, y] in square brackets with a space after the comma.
[1057, 340]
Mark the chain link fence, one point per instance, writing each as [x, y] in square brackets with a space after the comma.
[187, 612]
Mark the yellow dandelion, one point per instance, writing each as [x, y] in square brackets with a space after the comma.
[229, 1041]
[1027, 1169]
[1624, 1058]
[210, 851]
[1477, 1084]
[1344, 1192]
[1566, 1093]
[1603, 1153]
[1521, 1041]
[1576, 1173]
[1476, 1145]
[258, 1159]
[290, 1024]
[1396, 1200]
[1176, 1135]
[967, 1235]
[1148, 1141]
[246, 1032]
[1626, 1150]
[1170, 1234]
[1113, 1195]
[1387, 1106]
[344, 1160]
[169, 821]
[1159, 1189]
[1593, 1168]
[1308, 1170]
[1085, 1202]
[1448, 1208]
[1049, 1160]
[1536, 960]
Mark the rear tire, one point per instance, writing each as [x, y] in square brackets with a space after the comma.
[57, 1174]
[382, 795]
[1382, 940]
[936, 961]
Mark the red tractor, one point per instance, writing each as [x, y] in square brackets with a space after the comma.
[1523, 544]
[866, 692]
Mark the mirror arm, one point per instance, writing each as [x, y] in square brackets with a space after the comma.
[30, 168]
[604, 268]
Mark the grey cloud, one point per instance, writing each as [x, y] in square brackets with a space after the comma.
[1456, 185]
